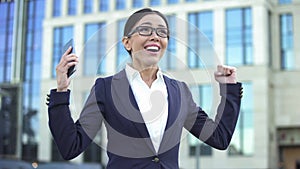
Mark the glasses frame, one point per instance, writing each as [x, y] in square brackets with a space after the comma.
[137, 29]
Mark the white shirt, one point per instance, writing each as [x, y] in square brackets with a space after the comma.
[152, 102]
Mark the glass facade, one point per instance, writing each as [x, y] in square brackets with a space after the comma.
[173, 1]
[30, 69]
[287, 42]
[6, 35]
[169, 60]
[284, 1]
[137, 3]
[94, 49]
[103, 5]
[72, 7]
[154, 2]
[56, 10]
[242, 142]
[239, 47]
[200, 37]
[122, 54]
[61, 36]
[120, 4]
[88, 6]
[203, 97]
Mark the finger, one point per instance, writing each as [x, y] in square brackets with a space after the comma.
[221, 70]
[68, 51]
[69, 58]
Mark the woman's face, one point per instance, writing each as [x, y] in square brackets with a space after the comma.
[146, 51]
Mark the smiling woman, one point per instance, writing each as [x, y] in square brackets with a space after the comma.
[143, 110]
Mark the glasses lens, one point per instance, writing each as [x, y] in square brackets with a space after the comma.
[162, 32]
[144, 30]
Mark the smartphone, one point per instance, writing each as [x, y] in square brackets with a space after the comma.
[72, 69]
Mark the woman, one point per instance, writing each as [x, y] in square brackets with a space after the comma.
[143, 110]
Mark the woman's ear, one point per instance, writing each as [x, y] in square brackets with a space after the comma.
[126, 43]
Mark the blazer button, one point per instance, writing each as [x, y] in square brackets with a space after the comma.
[156, 160]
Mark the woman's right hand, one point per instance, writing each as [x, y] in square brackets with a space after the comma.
[66, 61]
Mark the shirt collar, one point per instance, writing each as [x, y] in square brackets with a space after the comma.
[132, 73]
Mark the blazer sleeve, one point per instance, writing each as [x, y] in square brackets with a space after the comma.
[72, 138]
[218, 132]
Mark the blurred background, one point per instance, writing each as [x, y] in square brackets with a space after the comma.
[259, 37]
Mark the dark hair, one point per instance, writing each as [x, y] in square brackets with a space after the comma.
[137, 16]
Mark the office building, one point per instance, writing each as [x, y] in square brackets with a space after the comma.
[259, 37]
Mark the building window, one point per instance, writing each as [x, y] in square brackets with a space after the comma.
[61, 36]
[239, 47]
[120, 4]
[154, 2]
[122, 54]
[6, 39]
[56, 10]
[72, 7]
[137, 3]
[190, 0]
[94, 49]
[203, 97]
[172, 1]
[242, 142]
[32, 74]
[200, 38]
[169, 59]
[287, 42]
[284, 1]
[103, 5]
[88, 6]
[270, 38]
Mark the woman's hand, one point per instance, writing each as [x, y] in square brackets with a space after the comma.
[225, 74]
[66, 61]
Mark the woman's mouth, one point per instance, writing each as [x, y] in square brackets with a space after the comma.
[152, 48]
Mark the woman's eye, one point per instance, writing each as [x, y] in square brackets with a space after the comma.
[144, 29]
[163, 31]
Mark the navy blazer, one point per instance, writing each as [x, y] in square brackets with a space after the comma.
[111, 101]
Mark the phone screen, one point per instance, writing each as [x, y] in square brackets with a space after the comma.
[72, 69]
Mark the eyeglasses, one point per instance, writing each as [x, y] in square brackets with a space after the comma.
[147, 31]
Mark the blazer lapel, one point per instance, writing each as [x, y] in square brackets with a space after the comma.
[126, 104]
[172, 132]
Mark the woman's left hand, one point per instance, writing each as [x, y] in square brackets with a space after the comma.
[225, 74]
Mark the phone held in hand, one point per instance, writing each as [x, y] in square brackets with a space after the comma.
[72, 69]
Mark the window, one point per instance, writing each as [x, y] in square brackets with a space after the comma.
[120, 4]
[203, 96]
[284, 1]
[32, 66]
[61, 36]
[103, 5]
[122, 55]
[200, 37]
[169, 60]
[88, 6]
[6, 39]
[72, 7]
[56, 10]
[287, 42]
[239, 37]
[154, 2]
[190, 0]
[172, 1]
[137, 3]
[242, 142]
[95, 49]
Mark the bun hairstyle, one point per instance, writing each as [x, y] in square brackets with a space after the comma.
[137, 16]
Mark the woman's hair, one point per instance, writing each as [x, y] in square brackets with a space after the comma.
[137, 16]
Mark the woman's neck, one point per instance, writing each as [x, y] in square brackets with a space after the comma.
[148, 74]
